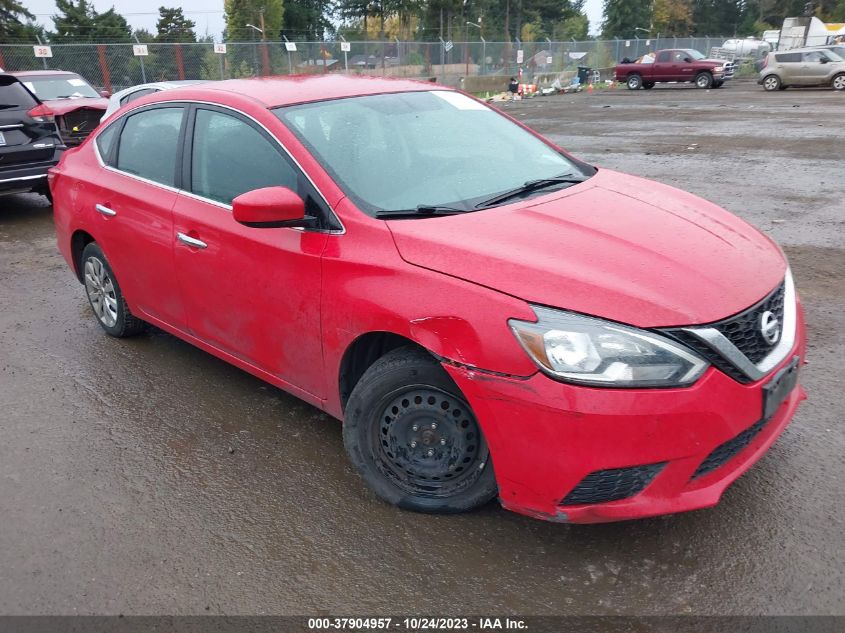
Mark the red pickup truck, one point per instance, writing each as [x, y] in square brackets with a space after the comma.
[675, 65]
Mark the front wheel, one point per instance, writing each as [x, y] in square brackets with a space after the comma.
[838, 82]
[635, 82]
[105, 296]
[414, 439]
[704, 80]
[771, 83]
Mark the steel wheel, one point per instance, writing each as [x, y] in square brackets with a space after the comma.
[634, 82]
[101, 291]
[704, 80]
[772, 82]
[839, 82]
[429, 443]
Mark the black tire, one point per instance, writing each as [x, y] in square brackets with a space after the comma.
[771, 83]
[838, 82]
[110, 309]
[648, 85]
[704, 81]
[718, 84]
[414, 439]
[635, 82]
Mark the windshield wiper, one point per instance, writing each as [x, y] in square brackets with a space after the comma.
[422, 210]
[531, 186]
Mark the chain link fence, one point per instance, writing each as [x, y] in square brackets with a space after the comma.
[116, 66]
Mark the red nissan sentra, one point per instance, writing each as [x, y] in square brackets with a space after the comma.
[487, 314]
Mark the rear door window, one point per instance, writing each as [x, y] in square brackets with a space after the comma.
[149, 144]
[105, 143]
[788, 58]
[663, 57]
[14, 96]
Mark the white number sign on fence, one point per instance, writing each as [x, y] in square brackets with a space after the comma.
[220, 49]
[290, 47]
[520, 56]
[140, 50]
[447, 46]
[42, 51]
[345, 47]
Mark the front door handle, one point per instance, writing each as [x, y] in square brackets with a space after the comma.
[191, 241]
[101, 208]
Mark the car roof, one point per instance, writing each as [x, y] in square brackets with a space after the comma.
[288, 90]
[43, 73]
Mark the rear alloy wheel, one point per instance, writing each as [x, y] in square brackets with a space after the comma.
[414, 439]
[838, 82]
[635, 82]
[703, 80]
[105, 296]
[771, 83]
[648, 85]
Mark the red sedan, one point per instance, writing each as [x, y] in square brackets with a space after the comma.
[487, 314]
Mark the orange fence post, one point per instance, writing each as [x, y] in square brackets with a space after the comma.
[180, 62]
[104, 67]
[265, 60]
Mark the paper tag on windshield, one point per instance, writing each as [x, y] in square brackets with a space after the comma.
[76, 82]
[459, 101]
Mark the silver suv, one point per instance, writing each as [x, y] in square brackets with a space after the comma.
[803, 67]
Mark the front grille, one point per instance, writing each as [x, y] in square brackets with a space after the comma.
[613, 484]
[710, 355]
[84, 119]
[724, 452]
[743, 330]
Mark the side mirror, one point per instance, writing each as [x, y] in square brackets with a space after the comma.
[270, 208]
[688, 60]
[105, 93]
[824, 60]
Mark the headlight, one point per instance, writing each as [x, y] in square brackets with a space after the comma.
[590, 351]
[719, 69]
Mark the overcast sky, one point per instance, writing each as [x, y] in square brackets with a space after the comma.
[144, 13]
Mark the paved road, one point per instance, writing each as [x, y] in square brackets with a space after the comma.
[145, 476]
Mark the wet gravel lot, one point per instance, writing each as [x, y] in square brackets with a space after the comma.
[145, 476]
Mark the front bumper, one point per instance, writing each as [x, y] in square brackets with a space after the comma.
[545, 437]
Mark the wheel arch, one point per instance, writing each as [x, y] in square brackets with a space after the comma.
[78, 241]
[360, 355]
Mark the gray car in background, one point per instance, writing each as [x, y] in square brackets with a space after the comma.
[121, 98]
[803, 67]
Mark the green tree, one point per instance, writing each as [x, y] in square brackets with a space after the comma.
[239, 13]
[622, 18]
[173, 26]
[80, 22]
[837, 12]
[672, 17]
[12, 14]
[307, 20]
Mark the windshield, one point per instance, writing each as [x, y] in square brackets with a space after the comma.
[835, 55]
[60, 87]
[399, 151]
[694, 54]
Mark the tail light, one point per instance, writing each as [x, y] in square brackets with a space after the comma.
[765, 62]
[42, 114]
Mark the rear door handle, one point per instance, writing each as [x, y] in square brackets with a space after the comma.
[191, 241]
[101, 208]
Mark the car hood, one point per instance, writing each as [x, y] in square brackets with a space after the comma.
[63, 106]
[615, 246]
